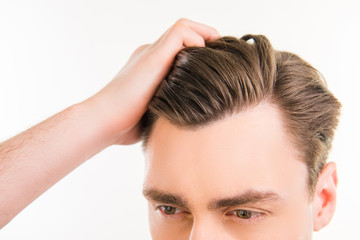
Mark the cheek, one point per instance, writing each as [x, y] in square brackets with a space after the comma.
[301, 219]
[295, 222]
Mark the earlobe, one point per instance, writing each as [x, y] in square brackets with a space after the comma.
[324, 202]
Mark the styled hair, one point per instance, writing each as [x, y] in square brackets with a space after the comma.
[229, 75]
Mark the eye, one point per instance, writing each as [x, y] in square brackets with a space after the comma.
[169, 210]
[246, 214]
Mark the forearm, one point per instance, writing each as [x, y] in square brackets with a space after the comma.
[36, 159]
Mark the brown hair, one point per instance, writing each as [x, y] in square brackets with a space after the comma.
[229, 75]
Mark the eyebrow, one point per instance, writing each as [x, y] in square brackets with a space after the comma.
[248, 197]
[165, 197]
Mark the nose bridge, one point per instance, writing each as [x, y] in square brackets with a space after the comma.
[207, 228]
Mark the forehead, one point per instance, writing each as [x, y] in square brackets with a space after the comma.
[247, 150]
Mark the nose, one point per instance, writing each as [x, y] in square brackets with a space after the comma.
[207, 229]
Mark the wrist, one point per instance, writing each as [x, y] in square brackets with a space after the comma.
[96, 120]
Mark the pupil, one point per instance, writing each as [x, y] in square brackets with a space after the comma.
[243, 214]
[169, 210]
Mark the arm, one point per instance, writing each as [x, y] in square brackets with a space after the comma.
[33, 161]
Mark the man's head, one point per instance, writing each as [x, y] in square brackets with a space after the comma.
[236, 140]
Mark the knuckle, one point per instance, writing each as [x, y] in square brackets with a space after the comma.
[198, 42]
[144, 46]
[181, 23]
[141, 49]
[183, 20]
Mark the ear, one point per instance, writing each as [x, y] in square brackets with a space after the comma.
[325, 196]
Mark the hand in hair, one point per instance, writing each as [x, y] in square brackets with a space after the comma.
[37, 158]
[127, 96]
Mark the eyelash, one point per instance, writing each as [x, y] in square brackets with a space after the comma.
[255, 216]
[258, 215]
[161, 208]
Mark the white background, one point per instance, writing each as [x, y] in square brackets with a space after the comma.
[57, 53]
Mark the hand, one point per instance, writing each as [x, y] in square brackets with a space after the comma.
[124, 100]
[40, 156]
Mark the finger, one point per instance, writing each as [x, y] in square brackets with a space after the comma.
[184, 33]
[191, 38]
[177, 38]
[179, 35]
[206, 32]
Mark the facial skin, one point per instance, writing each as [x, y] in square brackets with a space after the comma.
[237, 178]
